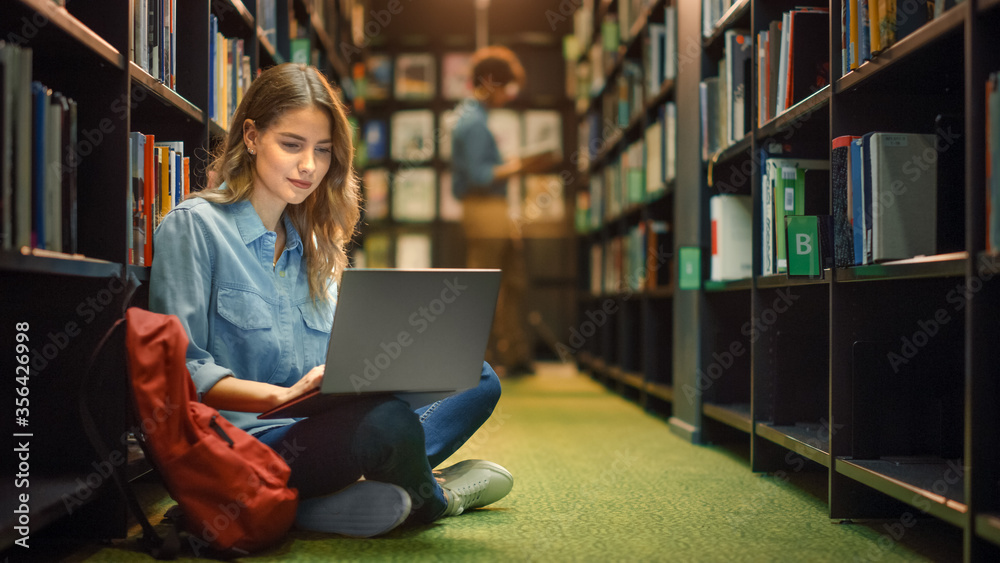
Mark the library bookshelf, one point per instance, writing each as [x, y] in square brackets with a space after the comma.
[414, 86]
[64, 302]
[878, 375]
[625, 216]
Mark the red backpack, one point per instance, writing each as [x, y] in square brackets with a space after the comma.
[231, 489]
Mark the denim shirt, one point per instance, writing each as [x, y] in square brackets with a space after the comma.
[474, 153]
[243, 315]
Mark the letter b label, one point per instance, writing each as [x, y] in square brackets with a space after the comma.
[803, 244]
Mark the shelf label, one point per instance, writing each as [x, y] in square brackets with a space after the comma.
[803, 246]
[690, 267]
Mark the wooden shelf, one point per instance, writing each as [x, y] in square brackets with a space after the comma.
[660, 391]
[940, 266]
[141, 272]
[915, 482]
[665, 93]
[728, 285]
[627, 378]
[61, 19]
[163, 93]
[732, 151]
[640, 23]
[242, 10]
[987, 265]
[988, 5]
[794, 116]
[661, 292]
[951, 21]
[735, 12]
[268, 49]
[783, 280]
[45, 504]
[806, 439]
[216, 130]
[988, 527]
[734, 415]
[339, 66]
[64, 266]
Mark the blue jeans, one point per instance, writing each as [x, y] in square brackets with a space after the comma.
[382, 439]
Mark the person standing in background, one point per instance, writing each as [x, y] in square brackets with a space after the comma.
[479, 181]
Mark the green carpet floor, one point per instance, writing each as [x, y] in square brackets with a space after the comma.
[599, 479]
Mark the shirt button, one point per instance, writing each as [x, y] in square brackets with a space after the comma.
[281, 273]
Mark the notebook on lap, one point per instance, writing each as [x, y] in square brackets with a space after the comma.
[417, 334]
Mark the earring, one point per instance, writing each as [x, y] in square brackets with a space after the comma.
[250, 151]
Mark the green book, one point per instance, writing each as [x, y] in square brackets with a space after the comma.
[300, 48]
[804, 246]
[788, 201]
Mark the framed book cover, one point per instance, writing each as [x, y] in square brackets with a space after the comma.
[450, 206]
[414, 197]
[446, 124]
[376, 140]
[505, 124]
[415, 76]
[413, 135]
[542, 132]
[455, 76]
[378, 77]
[376, 189]
[543, 198]
[413, 250]
[378, 250]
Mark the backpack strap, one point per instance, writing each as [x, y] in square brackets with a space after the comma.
[157, 546]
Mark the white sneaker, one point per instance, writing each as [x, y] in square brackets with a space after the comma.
[363, 509]
[474, 483]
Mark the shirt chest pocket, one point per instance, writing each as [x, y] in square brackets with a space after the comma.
[316, 324]
[247, 340]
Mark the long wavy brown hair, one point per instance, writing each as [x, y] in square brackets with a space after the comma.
[327, 219]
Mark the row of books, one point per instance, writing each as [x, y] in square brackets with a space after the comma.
[789, 186]
[632, 262]
[230, 74]
[160, 179]
[627, 99]
[154, 39]
[993, 162]
[411, 135]
[885, 201]
[640, 173]
[791, 60]
[724, 104]
[714, 115]
[629, 12]
[639, 78]
[791, 66]
[420, 195]
[39, 155]
[868, 27]
[413, 76]
[381, 249]
[884, 196]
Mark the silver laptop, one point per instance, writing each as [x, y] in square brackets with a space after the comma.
[417, 334]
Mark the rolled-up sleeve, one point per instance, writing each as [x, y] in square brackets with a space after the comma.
[181, 284]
